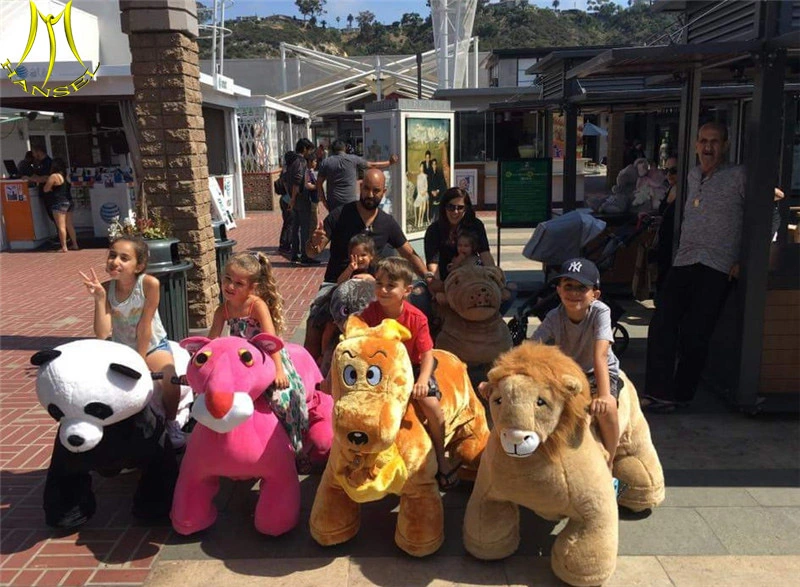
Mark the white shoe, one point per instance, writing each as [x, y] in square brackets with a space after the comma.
[176, 435]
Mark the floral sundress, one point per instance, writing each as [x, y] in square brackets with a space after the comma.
[288, 404]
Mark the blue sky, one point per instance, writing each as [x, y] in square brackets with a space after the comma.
[385, 11]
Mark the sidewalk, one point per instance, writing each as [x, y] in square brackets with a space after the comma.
[731, 517]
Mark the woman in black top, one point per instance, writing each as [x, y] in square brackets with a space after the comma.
[442, 236]
[57, 193]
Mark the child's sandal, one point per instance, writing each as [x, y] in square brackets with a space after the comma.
[449, 480]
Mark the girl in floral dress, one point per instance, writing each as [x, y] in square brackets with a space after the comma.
[252, 305]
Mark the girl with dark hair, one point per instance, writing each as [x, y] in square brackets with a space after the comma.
[441, 238]
[56, 192]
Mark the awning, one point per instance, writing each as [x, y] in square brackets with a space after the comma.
[664, 59]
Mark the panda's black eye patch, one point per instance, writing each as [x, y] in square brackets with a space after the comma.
[125, 370]
[98, 410]
[55, 412]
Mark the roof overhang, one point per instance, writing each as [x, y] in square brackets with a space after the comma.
[665, 59]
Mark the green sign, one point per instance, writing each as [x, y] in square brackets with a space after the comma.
[524, 192]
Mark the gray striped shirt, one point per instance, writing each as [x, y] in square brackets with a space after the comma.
[711, 233]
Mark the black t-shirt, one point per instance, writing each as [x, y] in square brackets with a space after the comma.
[344, 223]
[440, 250]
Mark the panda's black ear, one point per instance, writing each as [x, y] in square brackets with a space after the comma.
[127, 371]
[44, 356]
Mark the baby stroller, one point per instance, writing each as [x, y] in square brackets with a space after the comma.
[566, 237]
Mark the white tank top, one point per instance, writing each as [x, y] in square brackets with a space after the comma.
[125, 316]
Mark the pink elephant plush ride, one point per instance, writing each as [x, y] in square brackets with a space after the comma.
[239, 436]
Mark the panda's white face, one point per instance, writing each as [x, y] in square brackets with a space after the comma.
[89, 384]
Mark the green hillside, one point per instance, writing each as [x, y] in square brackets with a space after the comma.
[499, 26]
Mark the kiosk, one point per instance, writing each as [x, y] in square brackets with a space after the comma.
[24, 216]
[420, 132]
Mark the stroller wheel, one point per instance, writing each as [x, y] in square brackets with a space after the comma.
[621, 339]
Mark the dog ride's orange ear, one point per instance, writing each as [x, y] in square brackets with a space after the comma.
[389, 329]
[392, 330]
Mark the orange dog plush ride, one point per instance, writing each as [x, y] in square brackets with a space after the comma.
[380, 445]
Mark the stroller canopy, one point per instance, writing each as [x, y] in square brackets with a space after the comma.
[562, 238]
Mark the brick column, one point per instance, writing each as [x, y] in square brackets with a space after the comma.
[170, 130]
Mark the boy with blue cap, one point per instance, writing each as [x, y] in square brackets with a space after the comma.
[581, 327]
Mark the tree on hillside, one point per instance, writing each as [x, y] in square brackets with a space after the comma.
[204, 14]
[556, 4]
[350, 21]
[411, 19]
[365, 19]
[338, 19]
[310, 7]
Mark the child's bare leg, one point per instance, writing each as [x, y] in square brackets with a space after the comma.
[608, 424]
[433, 413]
[162, 361]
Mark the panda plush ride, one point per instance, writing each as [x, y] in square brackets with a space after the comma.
[100, 394]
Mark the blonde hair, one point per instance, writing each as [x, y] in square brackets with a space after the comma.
[259, 271]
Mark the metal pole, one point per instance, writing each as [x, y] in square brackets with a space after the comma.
[214, 43]
[222, 38]
[687, 131]
[378, 83]
[419, 76]
[297, 70]
[475, 62]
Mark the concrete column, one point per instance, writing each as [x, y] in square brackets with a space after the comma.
[169, 123]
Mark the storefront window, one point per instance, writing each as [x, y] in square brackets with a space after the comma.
[475, 137]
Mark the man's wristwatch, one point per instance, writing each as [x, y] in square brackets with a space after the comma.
[428, 275]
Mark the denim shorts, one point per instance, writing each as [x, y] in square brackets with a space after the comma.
[163, 345]
[614, 385]
[62, 207]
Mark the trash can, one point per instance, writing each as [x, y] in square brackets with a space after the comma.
[173, 306]
[223, 247]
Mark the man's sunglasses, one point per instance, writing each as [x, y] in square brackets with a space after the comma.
[672, 170]
[455, 207]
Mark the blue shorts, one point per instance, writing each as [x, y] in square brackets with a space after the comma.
[62, 207]
[163, 345]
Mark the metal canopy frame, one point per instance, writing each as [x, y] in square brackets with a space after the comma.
[351, 79]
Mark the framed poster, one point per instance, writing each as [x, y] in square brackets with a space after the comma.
[378, 147]
[524, 192]
[467, 180]
[428, 143]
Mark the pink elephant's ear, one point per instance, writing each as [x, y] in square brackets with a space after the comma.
[194, 343]
[267, 343]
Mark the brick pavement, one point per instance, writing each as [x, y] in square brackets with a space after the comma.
[43, 304]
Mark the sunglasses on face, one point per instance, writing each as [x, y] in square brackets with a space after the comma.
[672, 170]
[455, 207]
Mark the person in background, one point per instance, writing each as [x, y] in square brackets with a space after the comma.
[293, 175]
[58, 195]
[337, 181]
[341, 225]
[441, 237]
[25, 166]
[301, 214]
[436, 188]
[707, 261]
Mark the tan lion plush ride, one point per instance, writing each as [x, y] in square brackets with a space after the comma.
[380, 445]
[542, 455]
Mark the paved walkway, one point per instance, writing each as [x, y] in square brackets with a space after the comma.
[732, 514]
